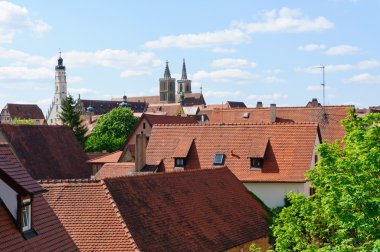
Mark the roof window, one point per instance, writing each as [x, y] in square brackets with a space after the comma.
[246, 115]
[219, 159]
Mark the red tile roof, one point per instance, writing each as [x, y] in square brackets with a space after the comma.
[164, 119]
[89, 215]
[47, 151]
[170, 109]
[11, 168]
[205, 210]
[111, 170]
[328, 117]
[51, 234]
[108, 158]
[288, 155]
[24, 111]
[183, 147]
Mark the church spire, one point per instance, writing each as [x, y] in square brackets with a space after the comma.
[60, 62]
[184, 74]
[167, 71]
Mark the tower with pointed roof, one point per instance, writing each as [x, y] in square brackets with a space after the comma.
[184, 85]
[167, 87]
[60, 93]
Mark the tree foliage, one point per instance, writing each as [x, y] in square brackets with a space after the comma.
[111, 130]
[70, 116]
[344, 212]
[23, 121]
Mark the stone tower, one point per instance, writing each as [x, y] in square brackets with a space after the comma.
[60, 93]
[184, 85]
[167, 87]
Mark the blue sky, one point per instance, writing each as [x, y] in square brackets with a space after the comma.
[237, 50]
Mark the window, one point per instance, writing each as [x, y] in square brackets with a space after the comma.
[143, 125]
[246, 115]
[219, 159]
[26, 215]
[257, 162]
[179, 162]
[315, 159]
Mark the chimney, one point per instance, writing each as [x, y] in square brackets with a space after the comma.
[273, 113]
[259, 104]
[140, 146]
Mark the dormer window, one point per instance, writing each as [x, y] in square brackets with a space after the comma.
[257, 163]
[179, 162]
[26, 214]
[218, 159]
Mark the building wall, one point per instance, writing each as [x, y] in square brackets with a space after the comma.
[273, 194]
[9, 197]
[139, 129]
[262, 243]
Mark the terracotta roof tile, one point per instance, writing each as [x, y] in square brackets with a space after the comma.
[170, 109]
[206, 210]
[288, 154]
[89, 215]
[111, 170]
[328, 117]
[10, 166]
[183, 147]
[47, 151]
[108, 158]
[25, 111]
[51, 234]
[258, 147]
[164, 119]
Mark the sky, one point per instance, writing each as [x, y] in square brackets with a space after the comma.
[269, 51]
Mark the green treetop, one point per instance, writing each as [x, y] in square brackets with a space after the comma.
[344, 212]
[111, 130]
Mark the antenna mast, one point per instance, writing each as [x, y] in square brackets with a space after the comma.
[323, 84]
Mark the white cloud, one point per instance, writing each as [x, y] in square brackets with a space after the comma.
[131, 73]
[268, 97]
[311, 47]
[81, 91]
[364, 78]
[74, 79]
[111, 58]
[20, 58]
[232, 63]
[223, 50]
[219, 94]
[206, 39]
[342, 50]
[286, 20]
[363, 65]
[232, 75]
[25, 73]
[15, 19]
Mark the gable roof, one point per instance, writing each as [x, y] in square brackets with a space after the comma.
[111, 170]
[328, 117]
[51, 234]
[24, 111]
[170, 109]
[288, 153]
[102, 107]
[165, 119]
[47, 151]
[89, 215]
[236, 104]
[108, 158]
[12, 170]
[206, 210]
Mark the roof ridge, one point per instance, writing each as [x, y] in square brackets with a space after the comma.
[118, 215]
[76, 180]
[236, 124]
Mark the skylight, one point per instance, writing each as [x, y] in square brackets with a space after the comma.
[218, 159]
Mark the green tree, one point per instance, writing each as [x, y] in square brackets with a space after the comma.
[344, 212]
[70, 116]
[111, 130]
[23, 121]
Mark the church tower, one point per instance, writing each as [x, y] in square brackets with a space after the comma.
[184, 85]
[60, 94]
[167, 87]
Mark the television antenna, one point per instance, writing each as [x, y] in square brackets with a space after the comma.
[323, 84]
